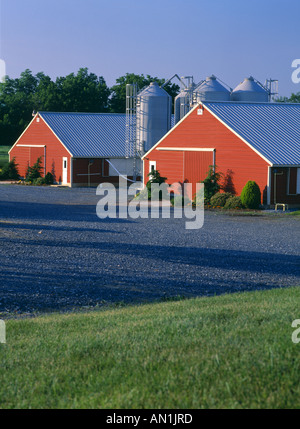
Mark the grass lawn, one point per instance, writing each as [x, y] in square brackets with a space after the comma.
[3, 155]
[231, 351]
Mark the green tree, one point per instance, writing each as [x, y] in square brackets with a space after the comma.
[10, 171]
[83, 92]
[118, 91]
[16, 106]
[35, 171]
[154, 177]
[211, 184]
[294, 98]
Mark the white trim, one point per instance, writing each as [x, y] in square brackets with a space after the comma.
[152, 164]
[269, 187]
[188, 149]
[170, 131]
[222, 122]
[31, 145]
[22, 134]
[65, 170]
[40, 116]
[44, 120]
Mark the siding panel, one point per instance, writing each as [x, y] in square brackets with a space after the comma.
[234, 159]
[38, 133]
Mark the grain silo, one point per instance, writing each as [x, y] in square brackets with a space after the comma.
[153, 115]
[250, 90]
[183, 103]
[211, 90]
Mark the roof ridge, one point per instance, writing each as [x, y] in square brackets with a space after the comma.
[251, 103]
[80, 113]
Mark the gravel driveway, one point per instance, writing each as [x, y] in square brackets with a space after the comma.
[55, 254]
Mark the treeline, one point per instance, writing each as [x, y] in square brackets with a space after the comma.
[81, 92]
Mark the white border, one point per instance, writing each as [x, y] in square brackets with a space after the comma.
[188, 149]
[222, 122]
[37, 115]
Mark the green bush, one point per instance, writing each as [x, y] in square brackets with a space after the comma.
[211, 185]
[49, 179]
[234, 203]
[40, 181]
[154, 177]
[251, 195]
[180, 201]
[220, 199]
[34, 172]
[10, 171]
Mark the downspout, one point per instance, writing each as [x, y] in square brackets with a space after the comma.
[91, 162]
[214, 161]
[269, 187]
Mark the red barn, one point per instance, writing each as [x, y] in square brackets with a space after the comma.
[79, 149]
[243, 141]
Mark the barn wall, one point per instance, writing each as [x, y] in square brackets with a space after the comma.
[100, 172]
[38, 133]
[234, 159]
[286, 186]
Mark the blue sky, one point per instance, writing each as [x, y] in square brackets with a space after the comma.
[231, 39]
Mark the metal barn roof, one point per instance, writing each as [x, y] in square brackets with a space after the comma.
[89, 134]
[273, 129]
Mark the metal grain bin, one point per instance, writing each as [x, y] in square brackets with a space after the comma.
[250, 91]
[154, 106]
[211, 90]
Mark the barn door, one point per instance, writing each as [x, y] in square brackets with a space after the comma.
[196, 166]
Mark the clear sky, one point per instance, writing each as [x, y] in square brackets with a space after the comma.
[229, 38]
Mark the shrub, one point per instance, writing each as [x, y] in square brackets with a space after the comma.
[49, 179]
[251, 195]
[220, 199]
[234, 203]
[39, 181]
[10, 171]
[155, 177]
[211, 184]
[180, 201]
[34, 172]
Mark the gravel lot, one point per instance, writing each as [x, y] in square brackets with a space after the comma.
[55, 253]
